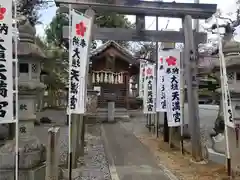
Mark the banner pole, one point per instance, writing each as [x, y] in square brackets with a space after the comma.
[16, 94]
[182, 96]
[224, 98]
[69, 102]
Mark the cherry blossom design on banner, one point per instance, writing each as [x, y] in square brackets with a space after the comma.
[149, 89]
[6, 78]
[80, 29]
[161, 99]
[78, 59]
[172, 87]
[2, 12]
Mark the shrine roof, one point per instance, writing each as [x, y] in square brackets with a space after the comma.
[114, 44]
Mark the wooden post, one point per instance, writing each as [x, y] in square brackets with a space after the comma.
[53, 151]
[165, 128]
[170, 137]
[149, 122]
[154, 125]
[11, 130]
[146, 117]
[82, 139]
[192, 88]
[79, 136]
[75, 138]
[157, 124]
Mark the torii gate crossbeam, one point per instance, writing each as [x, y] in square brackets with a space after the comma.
[147, 8]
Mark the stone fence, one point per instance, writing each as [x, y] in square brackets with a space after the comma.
[61, 102]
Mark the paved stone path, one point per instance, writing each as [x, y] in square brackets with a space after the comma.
[128, 158]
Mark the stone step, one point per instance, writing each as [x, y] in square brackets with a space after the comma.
[116, 110]
[105, 116]
[102, 114]
[216, 157]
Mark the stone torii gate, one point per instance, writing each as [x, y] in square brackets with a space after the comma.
[185, 11]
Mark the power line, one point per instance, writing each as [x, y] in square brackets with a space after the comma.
[151, 24]
[151, 43]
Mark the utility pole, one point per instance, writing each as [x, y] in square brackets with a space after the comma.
[190, 56]
[196, 21]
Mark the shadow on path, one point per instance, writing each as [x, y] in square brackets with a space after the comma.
[131, 159]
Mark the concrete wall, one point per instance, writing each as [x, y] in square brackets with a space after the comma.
[207, 115]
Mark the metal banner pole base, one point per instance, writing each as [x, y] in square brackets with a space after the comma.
[150, 122]
[229, 169]
[165, 128]
[70, 166]
[181, 145]
[157, 126]
[170, 137]
[146, 116]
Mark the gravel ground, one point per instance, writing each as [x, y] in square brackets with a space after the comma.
[96, 165]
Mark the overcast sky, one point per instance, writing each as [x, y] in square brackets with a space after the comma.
[174, 24]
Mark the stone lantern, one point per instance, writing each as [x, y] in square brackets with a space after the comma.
[32, 152]
[231, 52]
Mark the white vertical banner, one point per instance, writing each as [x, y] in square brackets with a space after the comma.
[141, 78]
[6, 62]
[172, 87]
[227, 104]
[230, 119]
[80, 40]
[149, 99]
[161, 95]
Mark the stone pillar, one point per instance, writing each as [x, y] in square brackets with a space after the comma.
[111, 111]
[219, 141]
[233, 143]
[31, 151]
[92, 102]
[52, 161]
[27, 138]
[27, 115]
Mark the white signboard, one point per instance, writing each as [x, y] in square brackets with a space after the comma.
[78, 59]
[149, 89]
[161, 99]
[141, 78]
[172, 85]
[97, 88]
[6, 63]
